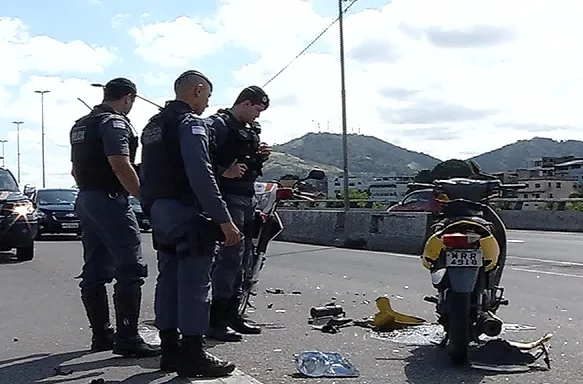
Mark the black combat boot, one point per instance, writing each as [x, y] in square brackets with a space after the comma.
[195, 362]
[238, 323]
[170, 350]
[127, 340]
[218, 323]
[97, 309]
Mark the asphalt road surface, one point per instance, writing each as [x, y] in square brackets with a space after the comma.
[43, 326]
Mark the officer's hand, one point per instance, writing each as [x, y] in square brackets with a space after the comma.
[235, 170]
[264, 150]
[232, 234]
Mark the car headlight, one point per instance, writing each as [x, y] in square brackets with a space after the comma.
[23, 209]
[41, 215]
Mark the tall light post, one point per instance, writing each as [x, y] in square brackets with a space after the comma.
[18, 147]
[343, 98]
[3, 153]
[42, 124]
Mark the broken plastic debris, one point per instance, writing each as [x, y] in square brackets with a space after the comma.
[419, 335]
[324, 364]
[510, 356]
[389, 319]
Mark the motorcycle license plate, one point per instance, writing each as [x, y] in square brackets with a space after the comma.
[463, 258]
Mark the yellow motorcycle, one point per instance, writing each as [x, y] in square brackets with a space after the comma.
[465, 255]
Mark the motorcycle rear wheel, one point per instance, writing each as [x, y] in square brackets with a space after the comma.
[459, 327]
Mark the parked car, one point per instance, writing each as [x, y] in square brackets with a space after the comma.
[143, 221]
[55, 208]
[18, 219]
[421, 200]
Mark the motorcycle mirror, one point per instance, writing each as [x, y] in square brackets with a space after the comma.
[29, 189]
[474, 166]
[316, 174]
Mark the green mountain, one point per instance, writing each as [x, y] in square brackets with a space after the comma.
[366, 154]
[281, 164]
[516, 155]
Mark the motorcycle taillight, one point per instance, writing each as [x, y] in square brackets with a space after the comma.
[284, 193]
[459, 240]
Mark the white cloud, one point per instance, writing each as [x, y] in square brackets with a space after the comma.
[452, 80]
[23, 53]
[40, 60]
[173, 44]
[465, 71]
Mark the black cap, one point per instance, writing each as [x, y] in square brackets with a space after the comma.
[117, 88]
[254, 94]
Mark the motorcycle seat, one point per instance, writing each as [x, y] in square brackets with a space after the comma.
[470, 189]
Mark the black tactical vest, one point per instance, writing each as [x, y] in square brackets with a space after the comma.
[242, 144]
[163, 174]
[92, 169]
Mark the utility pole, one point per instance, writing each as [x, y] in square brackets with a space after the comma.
[17, 147]
[343, 98]
[3, 153]
[42, 117]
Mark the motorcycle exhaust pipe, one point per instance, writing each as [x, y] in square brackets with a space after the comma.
[490, 324]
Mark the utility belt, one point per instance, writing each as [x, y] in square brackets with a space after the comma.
[205, 234]
[111, 193]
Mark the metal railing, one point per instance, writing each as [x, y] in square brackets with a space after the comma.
[505, 203]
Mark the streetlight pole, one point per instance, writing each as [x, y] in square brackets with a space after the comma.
[343, 98]
[3, 153]
[42, 117]
[17, 147]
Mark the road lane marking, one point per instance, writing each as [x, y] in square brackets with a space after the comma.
[546, 272]
[570, 263]
[515, 241]
[237, 377]
[418, 257]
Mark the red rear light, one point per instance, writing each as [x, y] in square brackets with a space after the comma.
[459, 240]
[284, 193]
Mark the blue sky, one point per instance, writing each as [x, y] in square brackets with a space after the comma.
[420, 74]
[91, 22]
[106, 23]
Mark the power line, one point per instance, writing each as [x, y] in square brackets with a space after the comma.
[309, 45]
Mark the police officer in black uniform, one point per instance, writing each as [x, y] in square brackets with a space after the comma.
[188, 216]
[103, 149]
[240, 157]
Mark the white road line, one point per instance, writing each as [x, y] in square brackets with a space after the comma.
[237, 377]
[515, 241]
[571, 263]
[418, 257]
[547, 272]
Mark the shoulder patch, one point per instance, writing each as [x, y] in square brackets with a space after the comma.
[118, 124]
[198, 130]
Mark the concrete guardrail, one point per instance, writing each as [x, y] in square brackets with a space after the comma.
[398, 232]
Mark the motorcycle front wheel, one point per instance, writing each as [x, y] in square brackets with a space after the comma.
[459, 326]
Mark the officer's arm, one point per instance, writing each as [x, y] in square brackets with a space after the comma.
[115, 135]
[194, 146]
[221, 132]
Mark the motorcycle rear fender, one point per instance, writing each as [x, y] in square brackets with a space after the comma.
[434, 246]
[463, 279]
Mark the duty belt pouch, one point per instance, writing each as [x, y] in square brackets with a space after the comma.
[209, 230]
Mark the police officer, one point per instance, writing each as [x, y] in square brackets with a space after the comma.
[188, 216]
[103, 149]
[240, 156]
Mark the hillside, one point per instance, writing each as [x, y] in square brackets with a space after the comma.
[516, 155]
[280, 164]
[366, 154]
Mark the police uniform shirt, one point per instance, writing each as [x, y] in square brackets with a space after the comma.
[116, 134]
